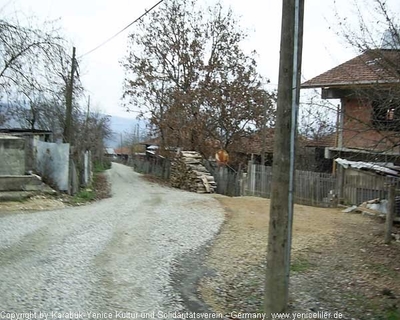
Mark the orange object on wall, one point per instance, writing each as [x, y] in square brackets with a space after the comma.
[222, 157]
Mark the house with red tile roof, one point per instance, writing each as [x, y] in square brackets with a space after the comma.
[310, 153]
[251, 147]
[368, 87]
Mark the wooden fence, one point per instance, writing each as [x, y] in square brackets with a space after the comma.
[159, 167]
[311, 188]
[229, 181]
[360, 186]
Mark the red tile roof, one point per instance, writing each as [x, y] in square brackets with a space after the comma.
[253, 143]
[326, 141]
[123, 150]
[371, 67]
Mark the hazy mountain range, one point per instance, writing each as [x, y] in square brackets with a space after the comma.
[122, 127]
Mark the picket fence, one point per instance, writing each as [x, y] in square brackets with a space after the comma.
[360, 186]
[159, 167]
[311, 188]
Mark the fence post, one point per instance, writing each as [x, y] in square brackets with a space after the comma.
[340, 184]
[243, 183]
[263, 181]
[252, 169]
[221, 180]
[390, 213]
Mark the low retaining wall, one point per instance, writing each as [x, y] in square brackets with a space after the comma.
[12, 155]
[22, 183]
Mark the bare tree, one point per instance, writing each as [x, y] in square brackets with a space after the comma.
[26, 56]
[367, 85]
[377, 26]
[34, 74]
[187, 72]
[378, 36]
[91, 130]
[317, 117]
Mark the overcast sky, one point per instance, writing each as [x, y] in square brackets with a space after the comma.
[87, 23]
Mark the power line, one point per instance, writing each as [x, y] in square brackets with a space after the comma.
[122, 30]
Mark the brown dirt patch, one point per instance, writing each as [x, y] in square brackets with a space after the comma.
[101, 186]
[339, 262]
[36, 203]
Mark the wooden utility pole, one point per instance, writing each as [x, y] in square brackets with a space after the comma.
[336, 137]
[88, 110]
[264, 131]
[282, 193]
[391, 208]
[68, 98]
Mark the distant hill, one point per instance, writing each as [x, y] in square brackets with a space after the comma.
[121, 125]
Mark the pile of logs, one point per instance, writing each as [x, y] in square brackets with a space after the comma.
[188, 173]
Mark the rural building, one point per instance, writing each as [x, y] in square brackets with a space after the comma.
[30, 136]
[368, 87]
[12, 155]
[250, 148]
[311, 153]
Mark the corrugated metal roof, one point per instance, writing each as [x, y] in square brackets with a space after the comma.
[109, 151]
[369, 166]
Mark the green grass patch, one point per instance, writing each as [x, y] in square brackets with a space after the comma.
[393, 314]
[300, 265]
[383, 270]
[85, 195]
[101, 166]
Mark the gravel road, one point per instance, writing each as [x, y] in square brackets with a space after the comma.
[115, 256]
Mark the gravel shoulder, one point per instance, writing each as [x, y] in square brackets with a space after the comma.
[116, 254]
[339, 262]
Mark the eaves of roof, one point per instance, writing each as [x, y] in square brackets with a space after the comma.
[376, 66]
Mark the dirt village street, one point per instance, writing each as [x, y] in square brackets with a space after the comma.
[339, 260]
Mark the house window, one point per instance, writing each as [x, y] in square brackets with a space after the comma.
[386, 114]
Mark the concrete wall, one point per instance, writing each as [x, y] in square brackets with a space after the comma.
[21, 183]
[52, 163]
[12, 155]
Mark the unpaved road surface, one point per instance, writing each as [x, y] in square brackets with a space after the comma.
[340, 263]
[116, 255]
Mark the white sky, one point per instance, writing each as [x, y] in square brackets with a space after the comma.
[87, 23]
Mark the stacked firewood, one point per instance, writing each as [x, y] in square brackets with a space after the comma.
[188, 173]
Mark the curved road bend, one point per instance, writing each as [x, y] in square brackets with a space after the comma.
[112, 256]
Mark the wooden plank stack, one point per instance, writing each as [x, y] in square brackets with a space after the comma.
[188, 173]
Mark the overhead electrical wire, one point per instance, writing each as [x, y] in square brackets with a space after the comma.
[122, 30]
